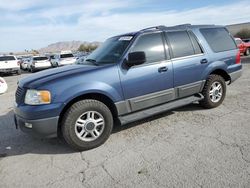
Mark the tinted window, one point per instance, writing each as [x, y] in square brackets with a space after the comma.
[66, 55]
[152, 45]
[218, 39]
[7, 58]
[180, 43]
[196, 45]
[40, 58]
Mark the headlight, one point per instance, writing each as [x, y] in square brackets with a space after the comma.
[36, 97]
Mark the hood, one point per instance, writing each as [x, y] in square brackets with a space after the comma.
[38, 79]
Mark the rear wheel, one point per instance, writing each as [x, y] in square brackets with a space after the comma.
[32, 69]
[18, 72]
[214, 91]
[87, 124]
[247, 52]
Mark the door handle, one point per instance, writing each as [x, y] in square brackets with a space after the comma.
[203, 61]
[162, 69]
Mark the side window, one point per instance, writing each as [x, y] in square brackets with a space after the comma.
[218, 39]
[180, 43]
[196, 45]
[152, 45]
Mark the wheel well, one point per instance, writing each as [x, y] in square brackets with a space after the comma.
[96, 96]
[222, 73]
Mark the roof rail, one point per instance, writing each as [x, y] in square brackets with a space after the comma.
[160, 27]
[188, 24]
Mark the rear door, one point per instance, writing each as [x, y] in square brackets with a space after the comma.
[151, 83]
[189, 62]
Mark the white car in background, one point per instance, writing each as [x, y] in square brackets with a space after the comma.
[39, 63]
[25, 62]
[9, 64]
[66, 58]
[3, 86]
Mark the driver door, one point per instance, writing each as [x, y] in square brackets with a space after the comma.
[150, 83]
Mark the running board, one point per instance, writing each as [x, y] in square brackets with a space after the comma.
[159, 109]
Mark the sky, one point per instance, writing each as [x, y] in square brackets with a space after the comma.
[33, 24]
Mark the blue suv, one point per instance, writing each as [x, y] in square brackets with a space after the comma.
[129, 77]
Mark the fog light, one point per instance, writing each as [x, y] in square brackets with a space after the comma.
[28, 125]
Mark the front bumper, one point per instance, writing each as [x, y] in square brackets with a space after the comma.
[40, 120]
[235, 75]
[46, 128]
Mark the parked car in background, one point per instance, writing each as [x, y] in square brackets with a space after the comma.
[243, 46]
[39, 63]
[9, 64]
[66, 58]
[54, 60]
[80, 60]
[3, 86]
[25, 62]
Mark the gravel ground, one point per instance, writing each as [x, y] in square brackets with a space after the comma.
[187, 147]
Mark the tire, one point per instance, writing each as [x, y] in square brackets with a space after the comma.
[18, 72]
[213, 100]
[247, 52]
[81, 110]
[32, 69]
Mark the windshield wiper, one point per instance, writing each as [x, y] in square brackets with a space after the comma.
[92, 61]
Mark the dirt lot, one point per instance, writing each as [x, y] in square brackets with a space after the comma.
[188, 147]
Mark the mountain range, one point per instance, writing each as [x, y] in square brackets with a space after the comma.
[66, 45]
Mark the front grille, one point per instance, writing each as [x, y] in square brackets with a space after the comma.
[20, 95]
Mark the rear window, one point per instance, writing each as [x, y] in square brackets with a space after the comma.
[40, 58]
[7, 58]
[66, 55]
[218, 39]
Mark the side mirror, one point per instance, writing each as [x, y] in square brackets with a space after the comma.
[136, 58]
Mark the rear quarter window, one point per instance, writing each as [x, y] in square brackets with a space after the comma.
[218, 39]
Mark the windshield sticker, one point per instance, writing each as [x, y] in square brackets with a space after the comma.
[127, 38]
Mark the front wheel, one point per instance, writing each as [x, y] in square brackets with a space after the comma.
[87, 124]
[214, 91]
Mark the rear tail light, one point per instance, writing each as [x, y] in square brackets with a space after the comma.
[238, 60]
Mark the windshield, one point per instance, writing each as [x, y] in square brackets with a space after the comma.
[110, 51]
[7, 58]
[40, 58]
[66, 55]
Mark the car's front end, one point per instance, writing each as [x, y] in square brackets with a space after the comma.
[34, 112]
[41, 97]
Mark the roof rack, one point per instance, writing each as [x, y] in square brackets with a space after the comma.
[187, 24]
[160, 27]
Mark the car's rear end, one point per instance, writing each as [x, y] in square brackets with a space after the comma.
[225, 55]
[40, 63]
[67, 59]
[9, 64]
